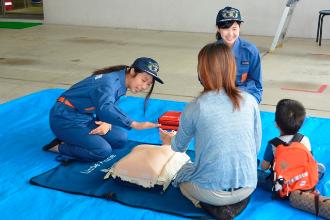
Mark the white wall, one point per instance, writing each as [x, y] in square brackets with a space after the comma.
[261, 16]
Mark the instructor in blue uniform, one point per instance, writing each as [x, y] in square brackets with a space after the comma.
[85, 119]
[248, 66]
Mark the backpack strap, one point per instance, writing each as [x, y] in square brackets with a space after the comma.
[276, 142]
[297, 137]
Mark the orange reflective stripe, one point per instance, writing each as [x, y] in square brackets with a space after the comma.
[65, 102]
[244, 77]
[61, 99]
[90, 108]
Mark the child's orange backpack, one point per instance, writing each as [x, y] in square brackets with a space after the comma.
[294, 166]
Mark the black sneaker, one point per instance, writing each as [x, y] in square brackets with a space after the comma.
[53, 143]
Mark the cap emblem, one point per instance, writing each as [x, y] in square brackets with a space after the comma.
[153, 67]
[232, 13]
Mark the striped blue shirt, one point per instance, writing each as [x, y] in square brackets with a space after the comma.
[226, 142]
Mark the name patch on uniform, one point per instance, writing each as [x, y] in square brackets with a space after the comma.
[245, 62]
[98, 76]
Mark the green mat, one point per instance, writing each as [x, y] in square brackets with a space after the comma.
[18, 25]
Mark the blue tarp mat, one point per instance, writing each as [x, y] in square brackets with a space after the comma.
[25, 128]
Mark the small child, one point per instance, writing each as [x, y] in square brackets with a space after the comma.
[289, 117]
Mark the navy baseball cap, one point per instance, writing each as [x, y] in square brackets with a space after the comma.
[149, 66]
[228, 14]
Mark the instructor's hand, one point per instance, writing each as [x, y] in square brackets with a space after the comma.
[144, 125]
[102, 129]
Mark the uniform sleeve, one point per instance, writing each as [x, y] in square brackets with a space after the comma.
[104, 100]
[187, 128]
[253, 83]
[268, 155]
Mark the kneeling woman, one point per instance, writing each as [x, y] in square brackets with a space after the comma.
[225, 123]
[85, 118]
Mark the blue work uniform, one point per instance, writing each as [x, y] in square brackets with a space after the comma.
[248, 64]
[92, 99]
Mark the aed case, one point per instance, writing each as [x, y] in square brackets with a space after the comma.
[169, 120]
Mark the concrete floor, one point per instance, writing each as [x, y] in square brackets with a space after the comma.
[56, 56]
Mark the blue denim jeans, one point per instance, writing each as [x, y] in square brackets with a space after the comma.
[265, 180]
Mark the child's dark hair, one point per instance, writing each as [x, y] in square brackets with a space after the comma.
[225, 25]
[289, 116]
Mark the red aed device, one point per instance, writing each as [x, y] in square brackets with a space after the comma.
[169, 120]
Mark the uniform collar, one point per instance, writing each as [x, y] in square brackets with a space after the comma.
[236, 47]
